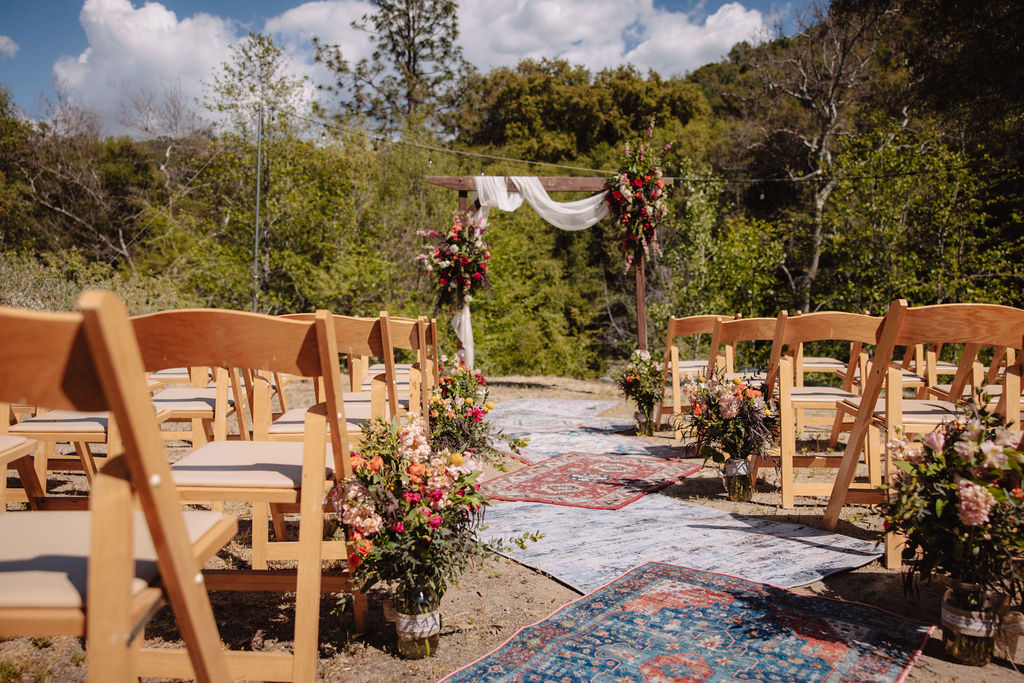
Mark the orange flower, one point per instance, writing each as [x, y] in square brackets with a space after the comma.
[698, 409]
[357, 461]
[661, 183]
[376, 464]
[1017, 493]
[354, 560]
[753, 393]
[417, 469]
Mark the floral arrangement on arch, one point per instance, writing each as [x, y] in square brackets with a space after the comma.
[729, 419]
[459, 260]
[458, 414]
[637, 199]
[412, 511]
[958, 501]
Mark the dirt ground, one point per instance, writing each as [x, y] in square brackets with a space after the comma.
[491, 602]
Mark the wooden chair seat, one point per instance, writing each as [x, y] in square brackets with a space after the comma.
[291, 423]
[991, 390]
[172, 376]
[49, 552]
[69, 423]
[241, 464]
[823, 364]
[826, 396]
[12, 447]
[188, 402]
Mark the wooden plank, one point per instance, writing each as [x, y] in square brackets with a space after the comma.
[464, 183]
[259, 666]
[271, 580]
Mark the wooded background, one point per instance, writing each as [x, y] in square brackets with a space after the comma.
[874, 154]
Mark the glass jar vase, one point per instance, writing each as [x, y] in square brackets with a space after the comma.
[418, 623]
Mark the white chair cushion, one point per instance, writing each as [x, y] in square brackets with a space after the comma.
[258, 464]
[62, 421]
[294, 422]
[44, 557]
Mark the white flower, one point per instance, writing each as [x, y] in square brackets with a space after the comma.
[455, 249]
[966, 448]
[994, 454]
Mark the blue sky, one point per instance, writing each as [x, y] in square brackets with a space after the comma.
[103, 49]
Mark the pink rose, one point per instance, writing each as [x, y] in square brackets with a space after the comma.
[935, 441]
[434, 521]
[400, 528]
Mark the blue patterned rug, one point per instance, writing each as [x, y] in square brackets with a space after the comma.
[661, 622]
[586, 549]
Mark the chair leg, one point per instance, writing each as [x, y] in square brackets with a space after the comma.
[360, 610]
[788, 452]
[837, 428]
[873, 451]
[260, 534]
[276, 516]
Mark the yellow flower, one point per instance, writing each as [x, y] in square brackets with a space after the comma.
[489, 405]
[469, 401]
[455, 459]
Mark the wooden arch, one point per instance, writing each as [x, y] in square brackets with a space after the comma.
[465, 184]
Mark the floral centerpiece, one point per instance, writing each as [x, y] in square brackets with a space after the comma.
[643, 382]
[637, 199]
[412, 512]
[458, 259]
[958, 501]
[730, 421]
[458, 414]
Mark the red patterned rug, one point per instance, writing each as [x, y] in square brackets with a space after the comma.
[590, 480]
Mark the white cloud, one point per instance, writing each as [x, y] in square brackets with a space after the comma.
[142, 48]
[8, 48]
[150, 47]
[601, 33]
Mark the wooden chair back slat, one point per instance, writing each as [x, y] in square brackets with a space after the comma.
[223, 338]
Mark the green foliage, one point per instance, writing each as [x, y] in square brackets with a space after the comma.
[54, 282]
[553, 111]
[896, 236]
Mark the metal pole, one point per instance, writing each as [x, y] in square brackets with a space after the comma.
[256, 228]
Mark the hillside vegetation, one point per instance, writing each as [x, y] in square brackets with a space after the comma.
[874, 154]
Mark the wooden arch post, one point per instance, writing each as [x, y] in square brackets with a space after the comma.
[465, 184]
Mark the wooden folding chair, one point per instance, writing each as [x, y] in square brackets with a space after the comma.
[968, 324]
[676, 368]
[791, 335]
[103, 573]
[727, 334]
[293, 475]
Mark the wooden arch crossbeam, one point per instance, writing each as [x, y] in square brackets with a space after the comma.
[464, 185]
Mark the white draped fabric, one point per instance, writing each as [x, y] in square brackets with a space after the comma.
[492, 191]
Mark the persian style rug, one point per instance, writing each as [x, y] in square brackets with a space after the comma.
[590, 480]
[550, 442]
[661, 622]
[586, 549]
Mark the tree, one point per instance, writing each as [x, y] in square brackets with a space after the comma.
[255, 76]
[807, 93]
[415, 63]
